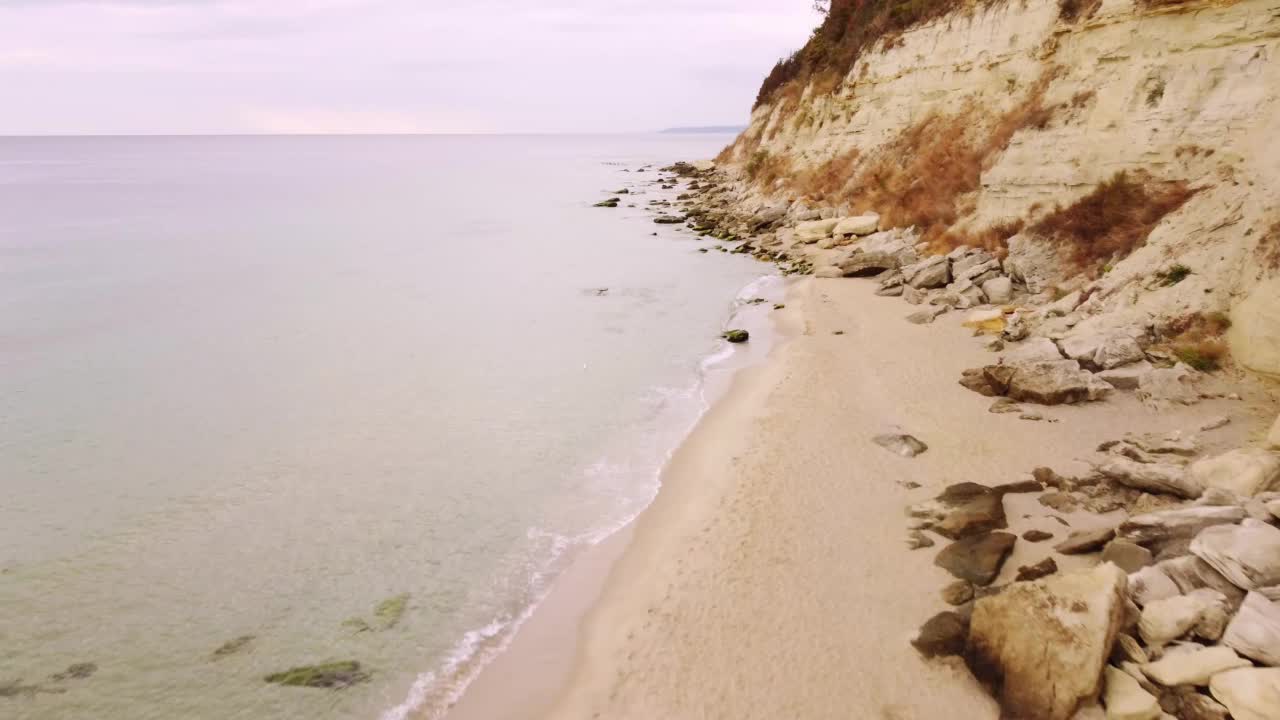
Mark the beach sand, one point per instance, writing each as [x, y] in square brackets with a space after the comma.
[770, 578]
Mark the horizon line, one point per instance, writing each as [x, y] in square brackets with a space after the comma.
[683, 130]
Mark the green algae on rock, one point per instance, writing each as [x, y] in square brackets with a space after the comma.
[231, 647]
[336, 675]
[736, 336]
[390, 611]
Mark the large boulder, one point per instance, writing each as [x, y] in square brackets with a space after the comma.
[877, 253]
[1249, 693]
[814, 230]
[1152, 477]
[1042, 645]
[1102, 350]
[999, 290]
[1245, 472]
[1247, 554]
[932, 272]
[859, 225]
[1255, 630]
[1034, 350]
[1055, 382]
[963, 510]
[1163, 387]
[1255, 330]
[1034, 261]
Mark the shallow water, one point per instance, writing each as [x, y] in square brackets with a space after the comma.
[257, 386]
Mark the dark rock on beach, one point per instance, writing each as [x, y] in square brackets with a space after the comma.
[334, 675]
[942, 635]
[977, 559]
[736, 336]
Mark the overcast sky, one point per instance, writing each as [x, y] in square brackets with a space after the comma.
[214, 66]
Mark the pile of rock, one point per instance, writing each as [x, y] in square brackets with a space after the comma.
[1180, 619]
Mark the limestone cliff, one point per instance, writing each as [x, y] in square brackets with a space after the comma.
[980, 124]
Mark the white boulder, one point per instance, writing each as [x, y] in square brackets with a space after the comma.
[1255, 630]
[1247, 554]
[1249, 693]
[814, 230]
[859, 225]
[1195, 666]
[1165, 620]
[1126, 700]
[999, 290]
[1245, 472]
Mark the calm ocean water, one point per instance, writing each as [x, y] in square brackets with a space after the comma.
[258, 386]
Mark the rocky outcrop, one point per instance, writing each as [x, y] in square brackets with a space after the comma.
[1043, 645]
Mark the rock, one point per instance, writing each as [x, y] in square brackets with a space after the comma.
[957, 593]
[1152, 477]
[1004, 405]
[1255, 630]
[859, 225]
[877, 253]
[942, 635]
[736, 336]
[1169, 444]
[328, 675]
[829, 271]
[987, 321]
[1248, 554]
[1154, 529]
[1034, 262]
[1255, 330]
[1045, 567]
[917, 540]
[963, 510]
[1165, 620]
[999, 290]
[610, 203]
[1190, 573]
[1019, 486]
[1127, 377]
[1037, 536]
[1060, 501]
[978, 558]
[1102, 351]
[1128, 556]
[814, 230]
[1193, 667]
[1034, 350]
[231, 647]
[1163, 387]
[668, 220]
[932, 272]
[1151, 584]
[1042, 645]
[1085, 541]
[1215, 422]
[928, 315]
[78, 671]
[1273, 437]
[1125, 699]
[1249, 693]
[1063, 305]
[1055, 383]
[1245, 472]
[1191, 705]
[904, 445]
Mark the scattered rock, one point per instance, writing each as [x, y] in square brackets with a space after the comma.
[1249, 693]
[1245, 472]
[859, 225]
[904, 445]
[1193, 667]
[668, 220]
[1060, 501]
[917, 540]
[1036, 536]
[927, 315]
[1255, 630]
[610, 203]
[736, 336]
[1126, 700]
[78, 671]
[1045, 567]
[1215, 422]
[231, 647]
[1042, 645]
[963, 510]
[1085, 541]
[328, 675]
[932, 272]
[1128, 556]
[1248, 554]
[957, 593]
[814, 230]
[1154, 529]
[943, 634]
[977, 559]
[876, 253]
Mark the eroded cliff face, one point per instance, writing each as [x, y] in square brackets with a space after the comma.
[1185, 93]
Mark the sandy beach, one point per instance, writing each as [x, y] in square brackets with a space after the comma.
[770, 577]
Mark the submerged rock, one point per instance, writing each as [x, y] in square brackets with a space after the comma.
[78, 671]
[328, 675]
[668, 220]
[389, 611]
[231, 647]
[904, 445]
[736, 336]
[1043, 645]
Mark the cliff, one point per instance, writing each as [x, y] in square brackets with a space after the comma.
[1129, 150]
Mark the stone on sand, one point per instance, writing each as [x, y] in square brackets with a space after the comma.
[978, 558]
[900, 444]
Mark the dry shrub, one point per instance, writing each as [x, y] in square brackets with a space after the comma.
[1113, 220]
[765, 168]
[1197, 339]
[828, 179]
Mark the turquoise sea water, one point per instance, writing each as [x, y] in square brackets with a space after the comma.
[256, 386]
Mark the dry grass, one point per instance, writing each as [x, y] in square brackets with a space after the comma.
[765, 168]
[1197, 339]
[1113, 220]
[829, 180]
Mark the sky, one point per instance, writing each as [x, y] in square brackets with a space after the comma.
[425, 66]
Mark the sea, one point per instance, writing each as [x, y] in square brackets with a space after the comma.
[271, 402]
